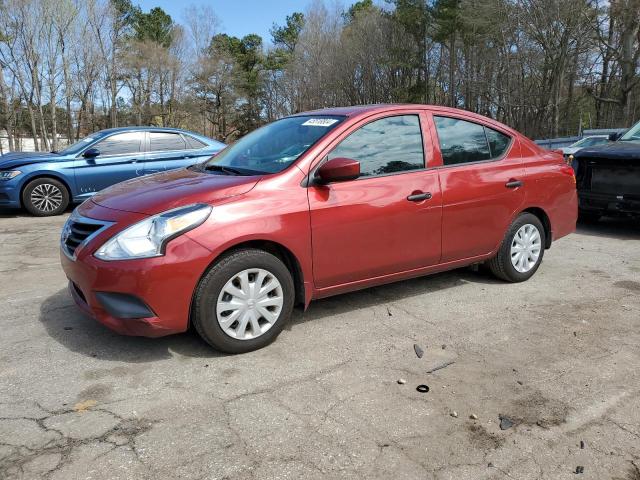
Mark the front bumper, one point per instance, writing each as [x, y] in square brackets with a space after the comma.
[600, 202]
[9, 194]
[165, 285]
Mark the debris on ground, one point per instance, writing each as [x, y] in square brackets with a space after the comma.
[579, 469]
[454, 414]
[402, 381]
[389, 312]
[444, 347]
[84, 406]
[419, 351]
[422, 388]
[505, 422]
[68, 328]
[519, 382]
[473, 416]
[490, 464]
[581, 444]
[440, 367]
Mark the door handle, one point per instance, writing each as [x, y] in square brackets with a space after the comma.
[418, 197]
[513, 184]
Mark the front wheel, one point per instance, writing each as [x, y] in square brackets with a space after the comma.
[521, 251]
[45, 197]
[244, 301]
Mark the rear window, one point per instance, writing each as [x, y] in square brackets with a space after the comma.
[159, 141]
[193, 143]
[498, 142]
[466, 142]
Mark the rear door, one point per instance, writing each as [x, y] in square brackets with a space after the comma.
[170, 150]
[388, 220]
[482, 180]
[120, 159]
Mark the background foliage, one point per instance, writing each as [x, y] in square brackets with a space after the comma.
[545, 67]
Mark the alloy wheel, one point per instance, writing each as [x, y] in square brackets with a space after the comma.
[249, 304]
[525, 248]
[46, 197]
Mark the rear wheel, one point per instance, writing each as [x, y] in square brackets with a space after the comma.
[44, 197]
[244, 301]
[521, 251]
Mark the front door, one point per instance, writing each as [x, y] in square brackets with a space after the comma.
[388, 220]
[482, 179]
[120, 159]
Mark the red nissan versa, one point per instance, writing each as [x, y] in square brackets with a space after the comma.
[315, 204]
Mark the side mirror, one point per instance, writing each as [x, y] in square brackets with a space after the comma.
[91, 153]
[338, 170]
[614, 136]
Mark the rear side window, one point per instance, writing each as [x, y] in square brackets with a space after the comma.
[193, 143]
[466, 142]
[388, 145]
[121, 144]
[498, 142]
[159, 141]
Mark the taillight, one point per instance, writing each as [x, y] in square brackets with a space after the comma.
[568, 170]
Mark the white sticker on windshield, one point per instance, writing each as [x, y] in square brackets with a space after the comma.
[320, 122]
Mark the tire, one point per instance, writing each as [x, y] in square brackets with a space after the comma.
[212, 295]
[502, 265]
[45, 197]
[589, 216]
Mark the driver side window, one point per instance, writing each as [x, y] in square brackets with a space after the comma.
[120, 144]
[385, 146]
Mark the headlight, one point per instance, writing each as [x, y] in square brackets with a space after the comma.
[9, 174]
[148, 238]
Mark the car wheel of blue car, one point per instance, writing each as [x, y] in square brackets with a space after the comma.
[44, 197]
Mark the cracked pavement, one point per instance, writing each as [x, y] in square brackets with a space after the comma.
[557, 354]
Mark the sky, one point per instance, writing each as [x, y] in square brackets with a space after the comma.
[238, 17]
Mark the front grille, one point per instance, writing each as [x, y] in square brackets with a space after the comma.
[79, 230]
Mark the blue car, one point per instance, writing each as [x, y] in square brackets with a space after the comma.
[45, 183]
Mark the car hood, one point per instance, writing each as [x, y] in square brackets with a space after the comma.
[615, 150]
[570, 150]
[157, 193]
[18, 159]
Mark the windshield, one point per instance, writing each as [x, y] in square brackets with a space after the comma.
[77, 147]
[274, 147]
[632, 135]
[589, 141]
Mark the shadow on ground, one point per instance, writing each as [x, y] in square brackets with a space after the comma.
[66, 324]
[623, 228]
[22, 213]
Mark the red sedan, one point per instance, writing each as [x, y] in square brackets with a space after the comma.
[312, 205]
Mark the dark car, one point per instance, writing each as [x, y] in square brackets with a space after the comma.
[608, 177]
[309, 206]
[45, 183]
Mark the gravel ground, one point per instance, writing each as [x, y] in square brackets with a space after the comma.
[558, 356]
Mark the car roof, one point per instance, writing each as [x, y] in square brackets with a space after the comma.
[146, 129]
[356, 110]
[365, 110]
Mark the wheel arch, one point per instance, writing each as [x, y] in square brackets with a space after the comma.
[40, 175]
[277, 249]
[546, 223]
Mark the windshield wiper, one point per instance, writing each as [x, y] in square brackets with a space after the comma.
[223, 169]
